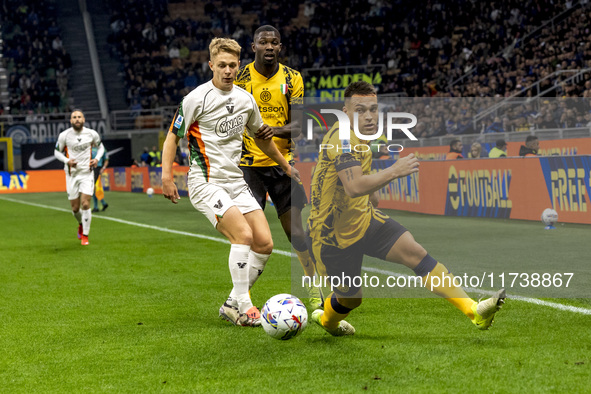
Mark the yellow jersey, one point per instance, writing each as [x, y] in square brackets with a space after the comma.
[335, 218]
[274, 96]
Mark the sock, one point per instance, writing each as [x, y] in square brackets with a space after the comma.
[306, 262]
[256, 266]
[314, 291]
[78, 216]
[335, 311]
[86, 219]
[94, 202]
[238, 263]
[429, 268]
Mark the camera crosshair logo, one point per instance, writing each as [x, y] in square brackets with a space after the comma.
[345, 124]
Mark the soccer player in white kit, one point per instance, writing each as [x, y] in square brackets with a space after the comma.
[74, 149]
[213, 117]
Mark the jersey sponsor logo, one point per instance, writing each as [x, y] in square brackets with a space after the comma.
[229, 126]
[265, 95]
[37, 163]
[178, 121]
[230, 106]
[271, 109]
[80, 147]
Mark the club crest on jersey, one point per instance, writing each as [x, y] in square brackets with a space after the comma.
[178, 121]
[229, 126]
[284, 88]
[265, 95]
[230, 106]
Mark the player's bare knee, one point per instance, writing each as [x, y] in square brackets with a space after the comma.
[416, 253]
[242, 236]
[264, 246]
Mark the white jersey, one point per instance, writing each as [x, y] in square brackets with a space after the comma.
[213, 121]
[78, 146]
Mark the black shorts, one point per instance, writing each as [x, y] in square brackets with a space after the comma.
[284, 191]
[380, 236]
[97, 172]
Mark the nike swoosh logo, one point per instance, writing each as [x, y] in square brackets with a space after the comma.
[112, 152]
[36, 163]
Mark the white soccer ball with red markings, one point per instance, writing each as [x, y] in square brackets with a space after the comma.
[549, 217]
[284, 316]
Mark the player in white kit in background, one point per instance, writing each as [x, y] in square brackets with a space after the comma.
[213, 117]
[74, 149]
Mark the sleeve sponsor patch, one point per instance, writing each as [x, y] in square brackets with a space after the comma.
[178, 121]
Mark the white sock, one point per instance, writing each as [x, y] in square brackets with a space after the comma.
[78, 216]
[86, 219]
[238, 263]
[256, 265]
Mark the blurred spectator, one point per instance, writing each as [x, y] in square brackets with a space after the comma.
[155, 156]
[531, 147]
[455, 150]
[475, 151]
[146, 158]
[500, 150]
[379, 148]
[496, 126]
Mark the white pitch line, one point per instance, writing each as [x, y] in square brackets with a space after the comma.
[561, 307]
[142, 225]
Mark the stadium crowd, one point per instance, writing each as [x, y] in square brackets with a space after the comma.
[440, 49]
[34, 57]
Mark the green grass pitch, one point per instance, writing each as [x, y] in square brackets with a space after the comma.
[136, 311]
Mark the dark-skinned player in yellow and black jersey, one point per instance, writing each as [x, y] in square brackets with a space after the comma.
[275, 88]
[345, 225]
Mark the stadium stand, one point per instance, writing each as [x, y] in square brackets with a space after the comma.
[498, 52]
[35, 59]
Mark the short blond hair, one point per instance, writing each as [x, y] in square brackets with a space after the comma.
[224, 45]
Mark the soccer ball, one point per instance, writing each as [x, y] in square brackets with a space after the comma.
[284, 316]
[549, 217]
[149, 192]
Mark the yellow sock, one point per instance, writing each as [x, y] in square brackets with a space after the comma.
[336, 309]
[306, 262]
[330, 319]
[440, 282]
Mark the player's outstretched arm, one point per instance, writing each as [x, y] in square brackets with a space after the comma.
[169, 189]
[270, 149]
[357, 184]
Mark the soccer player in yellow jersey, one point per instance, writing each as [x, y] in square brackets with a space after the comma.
[275, 88]
[344, 224]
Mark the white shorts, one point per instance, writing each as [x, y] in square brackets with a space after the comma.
[213, 200]
[79, 183]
